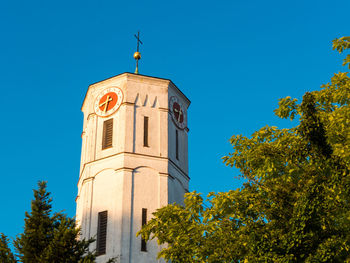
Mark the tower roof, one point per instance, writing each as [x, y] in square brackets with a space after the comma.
[137, 76]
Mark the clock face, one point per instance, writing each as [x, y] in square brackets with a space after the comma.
[178, 112]
[108, 101]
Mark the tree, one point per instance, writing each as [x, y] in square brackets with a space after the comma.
[6, 254]
[295, 203]
[47, 237]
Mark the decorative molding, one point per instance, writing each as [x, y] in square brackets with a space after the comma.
[164, 109]
[91, 178]
[137, 102]
[138, 154]
[91, 115]
[155, 102]
[166, 175]
[145, 101]
[127, 169]
[127, 103]
[179, 169]
[126, 76]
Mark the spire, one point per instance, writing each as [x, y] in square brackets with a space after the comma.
[137, 54]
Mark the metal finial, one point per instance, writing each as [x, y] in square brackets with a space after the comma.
[137, 54]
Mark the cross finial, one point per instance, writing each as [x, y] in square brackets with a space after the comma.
[137, 54]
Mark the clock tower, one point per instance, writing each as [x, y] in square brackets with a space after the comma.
[134, 159]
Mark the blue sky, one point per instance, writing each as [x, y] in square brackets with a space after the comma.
[233, 59]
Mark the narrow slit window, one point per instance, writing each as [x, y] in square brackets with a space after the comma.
[107, 137]
[177, 144]
[145, 131]
[101, 233]
[144, 221]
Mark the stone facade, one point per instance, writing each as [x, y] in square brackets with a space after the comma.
[128, 176]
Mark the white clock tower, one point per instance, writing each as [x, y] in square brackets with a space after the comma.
[134, 159]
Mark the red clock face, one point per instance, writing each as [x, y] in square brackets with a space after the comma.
[108, 101]
[178, 113]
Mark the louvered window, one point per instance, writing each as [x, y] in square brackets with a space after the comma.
[107, 137]
[145, 131]
[177, 144]
[101, 233]
[144, 221]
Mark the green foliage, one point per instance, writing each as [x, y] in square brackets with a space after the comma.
[340, 45]
[47, 237]
[50, 238]
[295, 204]
[5, 252]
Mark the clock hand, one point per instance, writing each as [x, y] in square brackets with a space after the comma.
[108, 99]
[179, 118]
[106, 105]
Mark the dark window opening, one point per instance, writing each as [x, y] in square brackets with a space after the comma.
[107, 137]
[145, 131]
[101, 233]
[144, 221]
[177, 144]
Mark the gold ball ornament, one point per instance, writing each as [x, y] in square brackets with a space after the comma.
[137, 55]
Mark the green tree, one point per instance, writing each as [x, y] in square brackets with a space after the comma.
[295, 204]
[47, 237]
[50, 237]
[6, 254]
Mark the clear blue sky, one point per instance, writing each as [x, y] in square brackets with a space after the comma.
[233, 59]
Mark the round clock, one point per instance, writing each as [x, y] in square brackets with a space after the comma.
[178, 112]
[108, 101]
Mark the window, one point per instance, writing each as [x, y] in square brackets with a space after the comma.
[144, 221]
[177, 144]
[107, 134]
[145, 131]
[101, 233]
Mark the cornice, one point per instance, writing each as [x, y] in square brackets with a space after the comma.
[137, 154]
[136, 77]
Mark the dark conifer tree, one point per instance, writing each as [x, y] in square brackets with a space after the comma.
[6, 254]
[49, 237]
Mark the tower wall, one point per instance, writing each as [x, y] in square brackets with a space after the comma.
[129, 176]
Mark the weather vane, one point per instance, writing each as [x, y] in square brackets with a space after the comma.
[137, 54]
